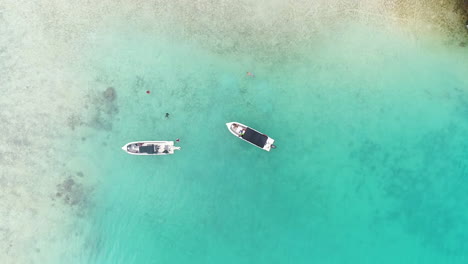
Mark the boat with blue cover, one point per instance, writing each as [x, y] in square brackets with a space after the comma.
[251, 135]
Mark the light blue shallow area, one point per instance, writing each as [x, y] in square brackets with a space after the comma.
[371, 164]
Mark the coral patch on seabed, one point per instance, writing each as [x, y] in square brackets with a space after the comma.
[101, 114]
[105, 109]
[74, 121]
[74, 193]
[109, 94]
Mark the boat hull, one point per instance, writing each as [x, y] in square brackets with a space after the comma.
[156, 148]
[251, 135]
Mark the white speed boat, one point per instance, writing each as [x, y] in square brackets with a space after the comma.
[251, 135]
[150, 148]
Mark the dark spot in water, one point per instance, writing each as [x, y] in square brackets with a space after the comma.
[101, 123]
[67, 185]
[111, 110]
[462, 44]
[74, 121]
[110, 94]
[73, 193]
[105, 110]
[79, 174]
[21, 142]
[83, 139]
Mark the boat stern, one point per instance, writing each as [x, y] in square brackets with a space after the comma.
[269, 144]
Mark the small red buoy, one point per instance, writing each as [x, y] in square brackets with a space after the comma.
[148, 92]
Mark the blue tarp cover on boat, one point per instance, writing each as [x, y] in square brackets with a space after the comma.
[255, 138]
[147, 149]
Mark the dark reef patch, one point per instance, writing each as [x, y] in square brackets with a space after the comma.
[101, 122]
[425, 180]
[109, 94]
[446, 17]
[74, 121]
[462, 5]
[104, 109]
[73, 193]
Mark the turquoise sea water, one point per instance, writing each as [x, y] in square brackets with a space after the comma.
[371, 163]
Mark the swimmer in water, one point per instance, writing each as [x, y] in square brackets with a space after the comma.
[250, 74]
[167, 115]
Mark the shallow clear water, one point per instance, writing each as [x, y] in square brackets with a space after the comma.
[372, 155]
[367, 102]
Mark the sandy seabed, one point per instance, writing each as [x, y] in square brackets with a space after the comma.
[48, 99]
